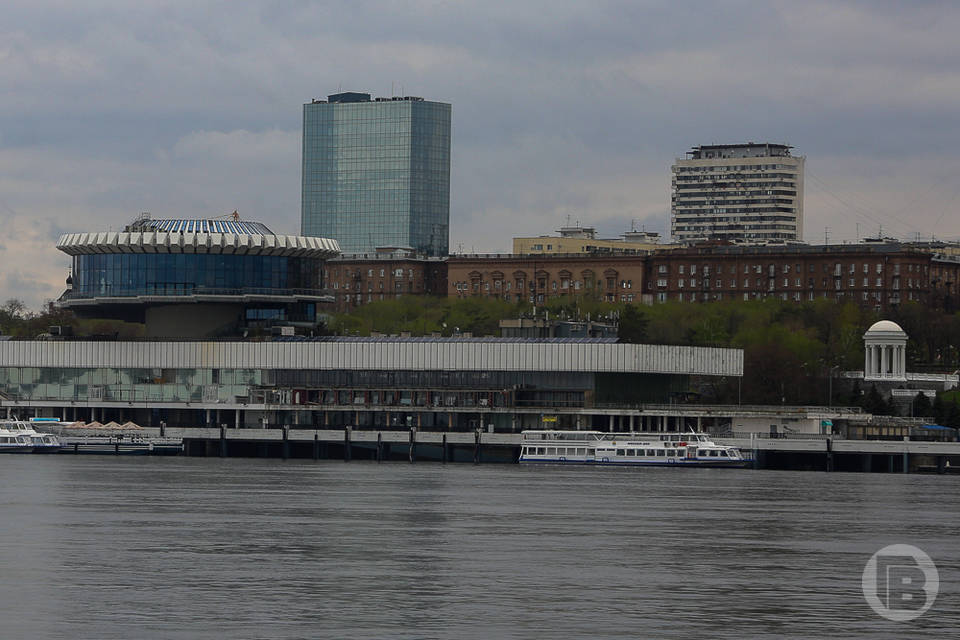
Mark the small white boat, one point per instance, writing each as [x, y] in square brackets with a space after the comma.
[627, 449]
[24, 432]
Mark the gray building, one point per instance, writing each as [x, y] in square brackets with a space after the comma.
[376, 173]
[750, 192]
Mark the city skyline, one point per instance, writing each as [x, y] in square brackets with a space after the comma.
[563, 110]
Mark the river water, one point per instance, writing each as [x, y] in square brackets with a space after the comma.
[120, 547]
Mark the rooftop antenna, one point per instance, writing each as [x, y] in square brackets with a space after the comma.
[826, 235]
[393, 91]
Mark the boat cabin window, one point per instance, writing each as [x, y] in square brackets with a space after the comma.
[541, 451]
[723, 454]
[661, 452]
[713, 453]
[651, 453]
[581, 451]
[621, 452]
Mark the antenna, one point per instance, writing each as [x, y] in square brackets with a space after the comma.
[826, 235]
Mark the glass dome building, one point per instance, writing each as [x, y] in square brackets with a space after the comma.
[197, 277]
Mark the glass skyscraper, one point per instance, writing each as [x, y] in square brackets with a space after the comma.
[376, 173]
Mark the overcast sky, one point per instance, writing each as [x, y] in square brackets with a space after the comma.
[194, 109]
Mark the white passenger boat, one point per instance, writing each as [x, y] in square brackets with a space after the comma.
[13, 440]
[24, 433]
[627, 449]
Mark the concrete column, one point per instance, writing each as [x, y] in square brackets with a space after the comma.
[236, 419]
[883, 360]
[631, 422]
[610, 429]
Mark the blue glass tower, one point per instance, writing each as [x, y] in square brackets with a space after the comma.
[376, 173]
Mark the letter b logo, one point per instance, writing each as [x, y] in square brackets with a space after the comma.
[900, 582]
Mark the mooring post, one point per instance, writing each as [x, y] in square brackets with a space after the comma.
[443, 446]
[379, 446]
[412, 454]
[476, 447]
[286, 442]
[316, 445]
[941, 464]
[223, 442]
[829, 454]
[906, 462]
[346, 444]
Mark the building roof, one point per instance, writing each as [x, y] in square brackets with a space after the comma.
[885, 326]
[578, 355]
[184, 225]
[256, 242]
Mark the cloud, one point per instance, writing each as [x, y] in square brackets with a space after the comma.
[560, 109]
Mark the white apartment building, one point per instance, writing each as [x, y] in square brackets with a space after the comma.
[750, 193]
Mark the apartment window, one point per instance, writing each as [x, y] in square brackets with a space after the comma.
[682, 270]
[866, 268]
[693, 269]
[786, 282]
[866, 282]
[879, 282]
[733, 284]
[662, 268]
[662, 282]
[381, 273]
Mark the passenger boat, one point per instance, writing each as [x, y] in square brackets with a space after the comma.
[13, 440]
[627, 449]
[25, 433]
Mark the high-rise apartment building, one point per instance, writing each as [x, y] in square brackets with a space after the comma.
[376, 173]
[742, 192]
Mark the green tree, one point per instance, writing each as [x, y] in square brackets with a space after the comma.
[633, 325]
[922, 406]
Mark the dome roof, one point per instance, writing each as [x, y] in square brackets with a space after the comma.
[885, 326]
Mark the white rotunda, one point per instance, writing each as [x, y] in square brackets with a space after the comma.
[885, 346]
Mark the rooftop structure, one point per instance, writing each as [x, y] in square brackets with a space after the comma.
[584, 240]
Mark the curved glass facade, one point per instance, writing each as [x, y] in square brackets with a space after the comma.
[136, 274]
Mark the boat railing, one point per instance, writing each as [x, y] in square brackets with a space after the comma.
[775, 436]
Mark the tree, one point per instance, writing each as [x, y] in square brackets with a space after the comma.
[633, 325]
[922, 407]
[875, 404]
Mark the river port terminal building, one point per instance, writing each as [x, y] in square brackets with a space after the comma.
[196, 277]
[438, 384]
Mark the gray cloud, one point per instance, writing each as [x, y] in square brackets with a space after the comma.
[560, 108]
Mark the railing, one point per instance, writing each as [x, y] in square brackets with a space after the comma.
[198, 291]
[726, 408]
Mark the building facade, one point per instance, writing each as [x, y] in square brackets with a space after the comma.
[376, 173]
[534, 279]
[585, 240]
[740, 192]
[192, 278]
[360, 279]
[878, 276]
[427, 383]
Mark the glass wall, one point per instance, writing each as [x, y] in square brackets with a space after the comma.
[377, 174]
[184, 274]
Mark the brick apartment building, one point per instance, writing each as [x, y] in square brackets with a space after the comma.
[359, 279]
[536, 278]
[876, 275]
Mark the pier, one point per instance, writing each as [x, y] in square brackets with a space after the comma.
[797, 453]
